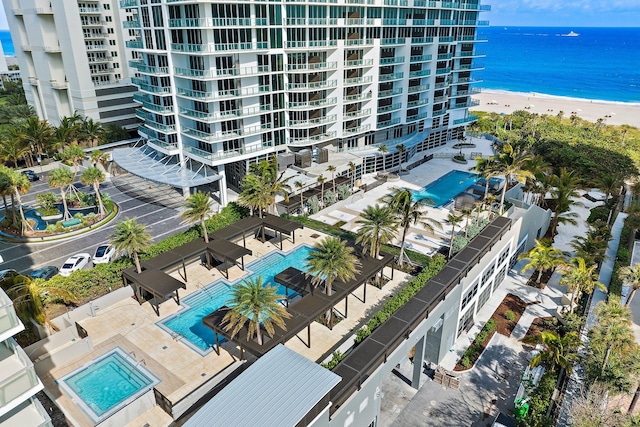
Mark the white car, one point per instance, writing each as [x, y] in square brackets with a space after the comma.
[74, 263]
[104, 254]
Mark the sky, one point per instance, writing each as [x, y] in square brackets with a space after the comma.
[545, 13]
[563, 13]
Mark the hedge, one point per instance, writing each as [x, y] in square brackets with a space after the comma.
[623, 259]
[100, 280]
[401, 297]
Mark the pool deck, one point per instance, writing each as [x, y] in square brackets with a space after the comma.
[417, 179]
[181, 369]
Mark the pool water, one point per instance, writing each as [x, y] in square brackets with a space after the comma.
[188, 322]
[445, 188]
[108, 383]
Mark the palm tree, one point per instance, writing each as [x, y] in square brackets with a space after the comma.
[565, 195]
[332, 169]
[12, 149]
[75, 155]
[542, 257]
[558, 351]
[94, 176]
[98, 156]
[408, 212]
[384, 150]
[631, 276]
[613, 330]
[511, 163]
[321, 181]
[5, 188]
[198, 207]
[466, 213]
[580, 278]
[352, 169]
[591, 247]
[37, 134]
[454, 220]
[401, 149]
[329, 260]
[252, 302]
[300, 186]
[610, 184]
[28, 294]
[20, 185]
[132, 238]
[91, 131]
[485, 169]
[62, 178]
[377, 226]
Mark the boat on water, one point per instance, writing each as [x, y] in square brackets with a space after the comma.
[570, 34]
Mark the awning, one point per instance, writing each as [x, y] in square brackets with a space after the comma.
[154, 166]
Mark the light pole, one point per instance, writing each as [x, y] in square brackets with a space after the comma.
[39, 159]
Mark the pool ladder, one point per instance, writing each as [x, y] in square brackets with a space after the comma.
[200, 286]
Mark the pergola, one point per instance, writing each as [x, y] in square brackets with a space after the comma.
[228, 251]
[304, 311]
[156, 283]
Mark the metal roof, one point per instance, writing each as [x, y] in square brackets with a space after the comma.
[279, 389]
[151, 165]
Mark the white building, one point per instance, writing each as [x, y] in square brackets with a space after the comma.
[18, 380]
[223, 84]
[72, 57]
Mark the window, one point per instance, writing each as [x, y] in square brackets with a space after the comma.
[469, 295]
[106, 6]
[112, 42]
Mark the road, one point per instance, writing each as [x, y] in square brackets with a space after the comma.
[155, 206]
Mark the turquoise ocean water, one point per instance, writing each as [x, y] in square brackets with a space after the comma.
[600, 63]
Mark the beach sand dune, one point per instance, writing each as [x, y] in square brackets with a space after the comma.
[613, 113]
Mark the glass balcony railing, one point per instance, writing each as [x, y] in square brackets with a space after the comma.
[148, 69]
[356, 129]
[221, 155]
[390, 92]
[357, 80]
[357, 97]
[357, 114]
[131, 24]
[312, 66]
[394, 60]
[422, 40]
[415, 117]
[440, 71]
[388, 123]
[395, 41]
[421, 88]
[417, 103]
[310, 86]
[225, 136]
[424, 22]
[419, 73]
[17, 374]
[437, 113]
[389, 108]
[358, 63]
[465, 120]
[313, 139]
[9, 322]
[129, 3]
[312, 104]
[390, 77]
[150, 88]
[421, 58]
[313, 122]
[163, 146]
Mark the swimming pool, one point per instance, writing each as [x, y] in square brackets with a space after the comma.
[187, 322]
[107, 384]
[445, 188]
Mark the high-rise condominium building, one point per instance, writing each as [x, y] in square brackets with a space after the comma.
[72, 57]
[225, 83]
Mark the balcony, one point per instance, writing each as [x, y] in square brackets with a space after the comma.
[144, 86]
[419, 73]
[469, 67]
[26, 48]
[59, 85]
[415, 89]
[222, 94]
[357, 114]
[18, 12]
[212, 47]
[437, 113]
[402, 22]
[422, 40]
[388, 123]
[206, 23]
[390, 92]
[323, 137]
[18, 378]
[358, 42]
[358, 63]
[90, 10]
[354, 81]
[444, 56]
[28, 413]
[389, 108]
[424, 22]
[131, 24]
[312, 86]
[33, 81]
[469, 54]
[440, 99]
[441, 71]
[389, 61]
[416, 103]
[9, 322]
[308, 105]
[163, 147]
[312, 66]
[421, 58]
[225, 136]
[357, 97]
[312, 122]
[390, 77]
[392, 42]
[221, 155]
[150, 106]
[446, 39]
[98, 59]
[465, 120]
[223, 115]
[472, 103]
[44, 10]
[472, 91]
[350, 22]
[147, 69]
[129, 3]
[357, 129]
[415, 117]
[134, 44]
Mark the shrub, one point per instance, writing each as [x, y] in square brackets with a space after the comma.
[329, 197]
[47, 201]
[78, 216]
[314, 205]
[459, 242]
[337, 358]
[598, 213]
[510, 315]
[51, 228]
[344, 191]
[491, 325]
[465, 362]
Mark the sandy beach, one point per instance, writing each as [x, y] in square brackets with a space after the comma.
[614, 113]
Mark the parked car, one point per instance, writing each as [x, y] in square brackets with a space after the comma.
[74, 263]
[31, 175]
[8, 278]
[104, 254]
[46, 272]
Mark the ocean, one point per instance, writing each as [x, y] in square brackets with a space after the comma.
[7, 44]
[599, 64]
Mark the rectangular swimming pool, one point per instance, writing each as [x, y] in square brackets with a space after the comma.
[107, 384]
[187, 323]
[445, 188]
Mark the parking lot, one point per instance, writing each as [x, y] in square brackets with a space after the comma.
[154, 205]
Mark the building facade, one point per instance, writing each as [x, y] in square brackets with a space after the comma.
[18, 379]
[223, 84]
[72, 58]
